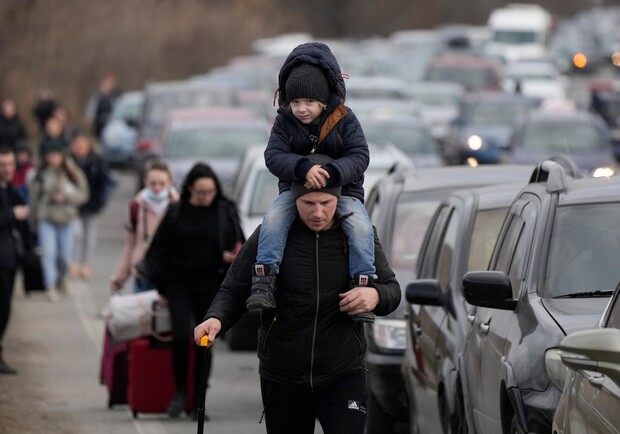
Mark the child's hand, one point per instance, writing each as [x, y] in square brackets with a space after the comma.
[316, 177]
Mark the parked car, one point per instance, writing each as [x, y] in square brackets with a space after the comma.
[481, 132]
[535, 78]
[591, 395]
[605, 102]
[439, 104]
[377, 87]
[218, 137]
[119, 136]
[162, 97]
[460, 238]
[579, 134]
[473, 72]
[550, 275]
[401, 206]
[411, 136]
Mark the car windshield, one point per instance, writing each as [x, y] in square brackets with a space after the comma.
[486, 229]
[211, 142]
[438, 99]
[264, 192]
[413, 214]
[471, 78]
[160, 104]
[407, 138]
[561, 137]
[514, 37]
[127, 108]
[584, 250]
[496, 113]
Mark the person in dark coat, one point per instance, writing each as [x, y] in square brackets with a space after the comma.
[101, 103]
[12, 131]
[97, 175]
[311, 353]
[13, 220]
[44, 108]
[311, 119]
[196, 241]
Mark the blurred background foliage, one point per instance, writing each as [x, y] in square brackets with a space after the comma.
[67, 45]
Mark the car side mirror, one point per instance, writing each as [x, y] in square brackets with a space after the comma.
[489, 289]
[593, 350]
[425, 292]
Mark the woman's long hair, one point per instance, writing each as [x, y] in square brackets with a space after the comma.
[67, 166]
[199, 170]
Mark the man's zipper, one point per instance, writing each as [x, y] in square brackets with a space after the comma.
[316, 313]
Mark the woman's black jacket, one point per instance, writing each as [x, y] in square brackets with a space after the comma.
[305, 340]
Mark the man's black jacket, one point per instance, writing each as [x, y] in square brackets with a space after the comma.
[305, 340]
[14, 234]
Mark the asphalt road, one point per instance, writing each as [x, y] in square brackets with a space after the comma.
[57, 348]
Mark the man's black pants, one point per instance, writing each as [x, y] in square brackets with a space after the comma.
[340, 407]
[7, 281]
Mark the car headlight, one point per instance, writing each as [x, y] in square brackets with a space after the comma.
[556, 370]
[389, 334]
[601, 172]
[474, 142]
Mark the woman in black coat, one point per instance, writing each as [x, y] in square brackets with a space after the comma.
[197, 241]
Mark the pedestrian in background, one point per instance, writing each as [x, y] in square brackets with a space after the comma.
[14, 239]
[56, 193]
[101, 103]
[197, 240]
[44, 108]
[97, 175]
[12, 131]
[311, 353]
[312, 118]
[24, 170]
[145, 212]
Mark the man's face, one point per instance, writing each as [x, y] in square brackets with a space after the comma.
[7, 167]
[317, 210]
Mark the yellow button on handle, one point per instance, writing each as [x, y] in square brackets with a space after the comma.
[204, 341]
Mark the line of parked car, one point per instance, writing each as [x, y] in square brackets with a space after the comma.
[513, 259]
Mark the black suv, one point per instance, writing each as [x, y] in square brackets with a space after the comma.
[401, 206]
[460, 238]
[553, 269]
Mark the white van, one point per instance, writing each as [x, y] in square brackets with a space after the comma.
[518, 31]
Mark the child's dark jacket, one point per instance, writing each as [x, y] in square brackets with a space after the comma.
[341, 136]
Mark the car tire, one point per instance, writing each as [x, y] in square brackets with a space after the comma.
[377, 420]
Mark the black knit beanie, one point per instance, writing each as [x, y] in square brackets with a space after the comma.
[298, 188]
[307, 81]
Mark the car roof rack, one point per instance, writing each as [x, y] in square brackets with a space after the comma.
[551, 173]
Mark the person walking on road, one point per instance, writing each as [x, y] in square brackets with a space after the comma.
[196, 241]
[56, 192]
[97, 175]
[102, 102]
[12, 131]
[14, 239]
[312, 118]
[145, 212]
[311, 353]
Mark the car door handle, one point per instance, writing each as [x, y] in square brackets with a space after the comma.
[471, 318]
[484, 328]
[596, 380]
[417, 330]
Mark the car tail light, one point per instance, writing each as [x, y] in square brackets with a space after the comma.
[145, 145]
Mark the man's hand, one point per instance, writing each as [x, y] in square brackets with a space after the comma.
[316, 177]
[210, 327]
[359, 300]
[21, 212]
[228, 256]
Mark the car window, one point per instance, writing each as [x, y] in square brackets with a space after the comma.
[407, 138]
[584, 249]
[264, 193]
[564, 137]
[484, 234]
[429, 266]
[211, 142]
[410, 221]
[491, 113]
[446, 253]
[509, 242]
[613, 319]
[473, 78]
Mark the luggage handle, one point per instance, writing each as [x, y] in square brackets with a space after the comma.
[200, 409]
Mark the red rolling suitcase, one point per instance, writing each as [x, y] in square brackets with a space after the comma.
[114, 369]
[151, 382]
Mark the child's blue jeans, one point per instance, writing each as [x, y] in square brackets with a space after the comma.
[357, 227]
